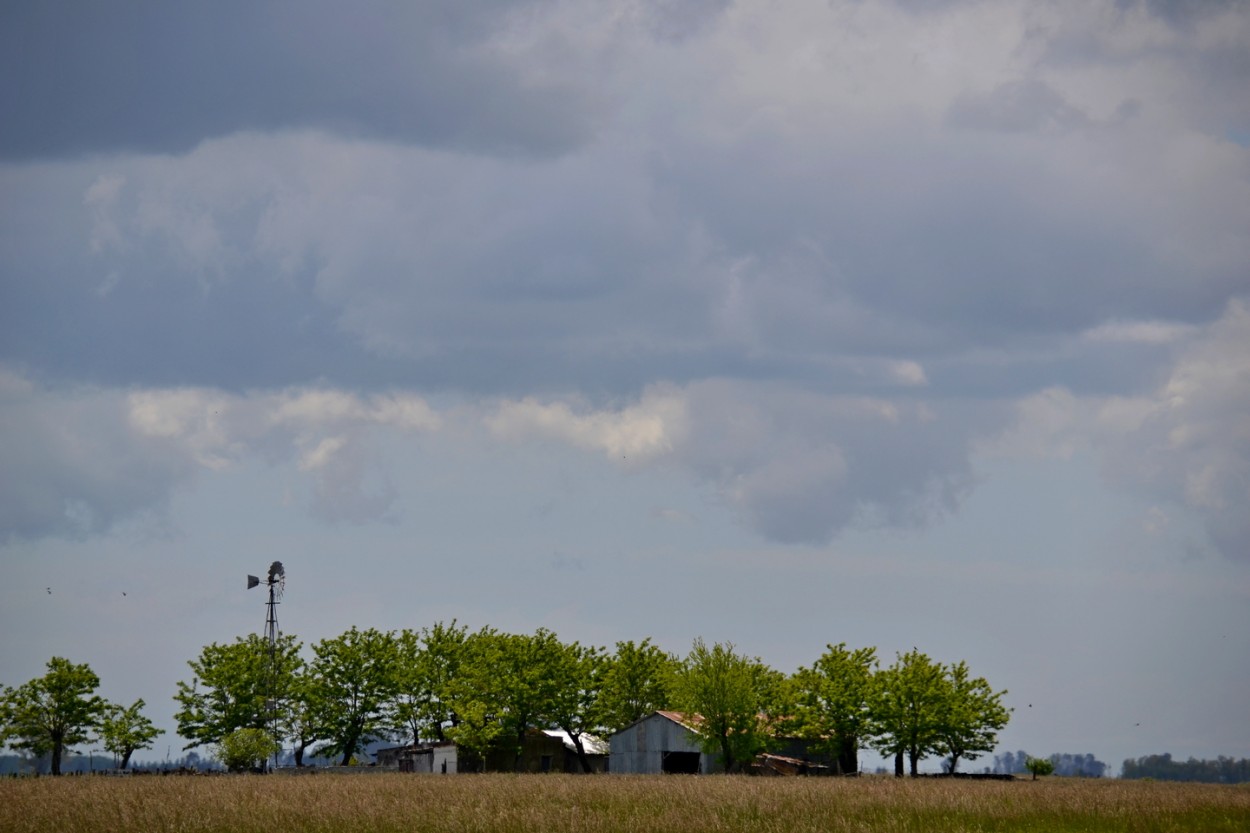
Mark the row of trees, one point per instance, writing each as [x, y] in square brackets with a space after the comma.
[486, 689]
[50, 714]
[1223, 770]
[912, 709]
[1065, 763]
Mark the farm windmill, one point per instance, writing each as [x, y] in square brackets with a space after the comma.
[276, 582]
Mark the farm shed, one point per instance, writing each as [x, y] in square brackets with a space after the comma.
[425, 757]
[389, 756]
[666, 742]
[439, 758]
[662, 741]
[547, 750]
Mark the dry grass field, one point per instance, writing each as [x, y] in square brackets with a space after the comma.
[554, 803]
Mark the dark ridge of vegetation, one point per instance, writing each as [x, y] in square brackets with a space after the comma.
[1065, 763]
[1162, 768]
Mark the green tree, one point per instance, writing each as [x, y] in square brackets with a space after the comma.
[577, 679]
[506, 685]
[353, 679]
[51, 713]
[833, 703]
[1039, 766]
[475, 733]
[728, 695]
[303, 718]
[245, 749]
[239, 685]
[525, 682]
[971, 716]
[909, 701]
[124, 731]
[474, 697]
[638, 679]
[427, 663]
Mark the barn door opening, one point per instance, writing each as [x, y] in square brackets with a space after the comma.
[679, 763]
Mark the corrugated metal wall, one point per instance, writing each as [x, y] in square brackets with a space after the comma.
[640, 748]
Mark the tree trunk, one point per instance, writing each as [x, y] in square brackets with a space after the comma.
[898, 764]
[582, 757]
[954, 763]
[126, 758]
[914, 757]
[353, 743]
[58, 749]
[727, 754]
[848, 757]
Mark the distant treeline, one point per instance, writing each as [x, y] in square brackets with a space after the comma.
[1066, 764]
[1162, 768]
[99, 762]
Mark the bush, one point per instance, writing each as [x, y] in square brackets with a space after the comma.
[245, 749]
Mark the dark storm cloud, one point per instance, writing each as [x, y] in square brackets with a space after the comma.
[774, 254]
[767, 203]
[160, 77]
[88, 299]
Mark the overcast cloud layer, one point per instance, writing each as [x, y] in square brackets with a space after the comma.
[824, 264]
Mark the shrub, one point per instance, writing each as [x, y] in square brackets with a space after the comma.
[245, 749]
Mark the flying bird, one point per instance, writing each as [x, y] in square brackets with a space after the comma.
[49, 591]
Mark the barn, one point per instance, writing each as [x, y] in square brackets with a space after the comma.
[663, 741]
[666, 742]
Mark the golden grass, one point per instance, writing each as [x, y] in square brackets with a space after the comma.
[391, 803]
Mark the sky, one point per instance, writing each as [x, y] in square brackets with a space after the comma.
[882, 322]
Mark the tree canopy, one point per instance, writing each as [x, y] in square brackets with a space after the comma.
[575, 700]
[907, 709]
[427, 663]
[124, 731]
[487, 689]
[237, 685]
[355, 678]
[731, 694]
[52, 713]
[833, 703]
[637, 680]
[971, 716]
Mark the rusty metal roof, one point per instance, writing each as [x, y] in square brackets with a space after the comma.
[690, 721]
